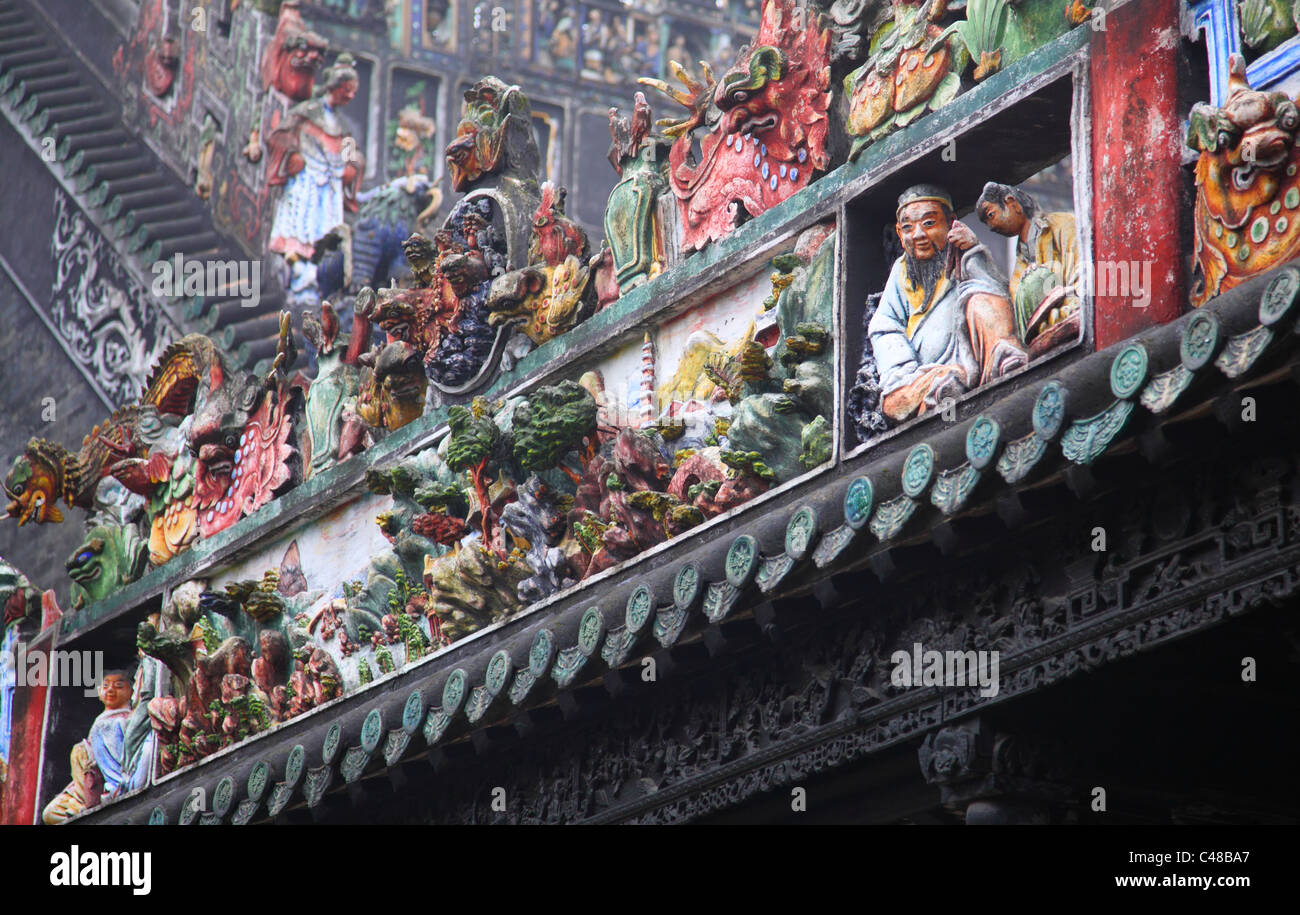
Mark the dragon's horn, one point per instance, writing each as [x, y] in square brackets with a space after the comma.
[283, 350]
[659, 85]
[684, 76]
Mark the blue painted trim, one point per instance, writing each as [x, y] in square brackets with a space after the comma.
[1222, 27]
[1276, 65]
[1218, 19]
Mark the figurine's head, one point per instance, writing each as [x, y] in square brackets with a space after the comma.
[515, 295]
[294, 55]
[218, 436]
[341, 81]
[481, 146]
[306, 52]
[1005, 209]
[394, 394]
[169, 53]
[115, 690]
[465, 270]
[412, 128]
[1246, 147]
[435, 13]
[1253, 130]
[923, 219]
[343, 93]
[109, 557]
[397, 313]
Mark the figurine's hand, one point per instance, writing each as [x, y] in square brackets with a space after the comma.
[961, 236]
[949, 386]
[92, 786]
[365, 302]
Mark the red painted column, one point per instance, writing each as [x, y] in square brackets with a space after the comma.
[20, 791]
[1136, 171]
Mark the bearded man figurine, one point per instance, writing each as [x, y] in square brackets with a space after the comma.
[944, 324]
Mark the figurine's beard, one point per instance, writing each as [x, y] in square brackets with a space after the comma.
[926, 273]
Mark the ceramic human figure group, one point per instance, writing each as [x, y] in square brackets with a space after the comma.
[949, 318]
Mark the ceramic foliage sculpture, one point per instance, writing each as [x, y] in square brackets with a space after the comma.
[1265, 24]
[914, 68]
[241, 659]
[916, 57]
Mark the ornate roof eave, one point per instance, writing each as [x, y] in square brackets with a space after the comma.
[1108, 403]
[672, 292]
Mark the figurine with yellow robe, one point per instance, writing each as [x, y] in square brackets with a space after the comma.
[1044, 283]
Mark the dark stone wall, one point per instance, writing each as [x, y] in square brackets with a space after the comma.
[98, 31]
[33, 365]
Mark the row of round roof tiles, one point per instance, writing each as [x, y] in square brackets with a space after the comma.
[1081, 441]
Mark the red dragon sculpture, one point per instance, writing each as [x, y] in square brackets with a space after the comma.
[768, 133]
[244, 436]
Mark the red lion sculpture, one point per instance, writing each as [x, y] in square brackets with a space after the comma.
[1247, 216]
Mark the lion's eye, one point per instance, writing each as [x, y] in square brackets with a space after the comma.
[18, 489]
[1288, 117]
[740, 96]
[1225, 139]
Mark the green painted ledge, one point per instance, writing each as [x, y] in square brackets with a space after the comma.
[323, 493]
[647, 300]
